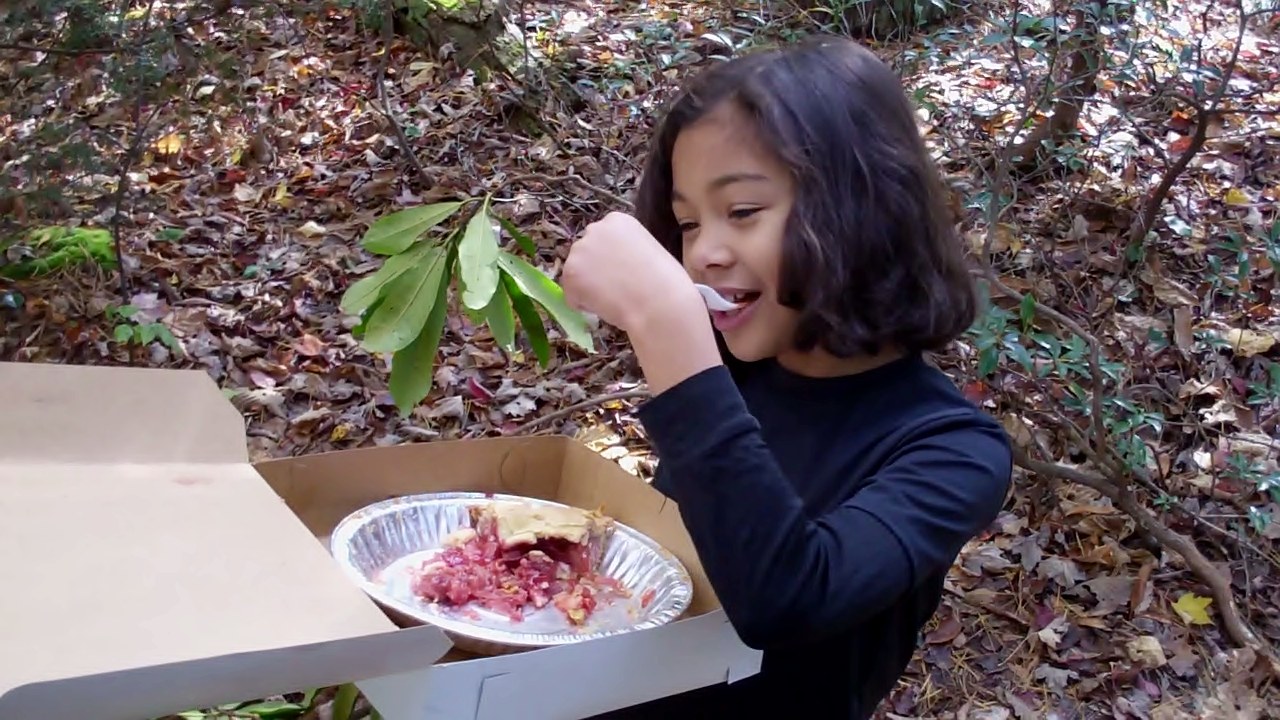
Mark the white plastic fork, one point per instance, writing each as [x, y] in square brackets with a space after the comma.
[714, 300]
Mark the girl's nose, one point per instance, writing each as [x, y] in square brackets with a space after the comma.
[708, 250]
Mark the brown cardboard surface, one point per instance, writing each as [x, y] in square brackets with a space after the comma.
[70, 414]
[324, 488]
[152, 570]
[613, 672]
[135, 536]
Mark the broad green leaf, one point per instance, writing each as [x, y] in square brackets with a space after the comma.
[478, 260]
[475, 316]
[393, 234]
[413, 366]
[1019, 352]
[502, 323]
[547, 293]
[524, 241]
[988, 361]
[1027, 310]
[530, 320]
[365, 291]
[345, 701]
[273, 709]
[123, 333]
[166, 336]
[357, 332]
[409, 300]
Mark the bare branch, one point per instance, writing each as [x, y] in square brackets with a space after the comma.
[1123, 498]
[388, 38]
[1150, 209]
[1082, 83]
[567, 411]
[131, 157]
[72, 52]
[1206, 113]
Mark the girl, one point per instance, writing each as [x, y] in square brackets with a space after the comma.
[827, 474]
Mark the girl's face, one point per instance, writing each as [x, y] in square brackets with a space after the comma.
[732, 199]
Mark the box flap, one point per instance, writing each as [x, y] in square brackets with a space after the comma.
[169, 689]
[160, 550]
[608, 674]
[70, 413]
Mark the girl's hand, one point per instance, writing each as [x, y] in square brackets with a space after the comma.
[621, 273]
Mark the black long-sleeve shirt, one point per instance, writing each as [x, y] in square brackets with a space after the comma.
[826, 513]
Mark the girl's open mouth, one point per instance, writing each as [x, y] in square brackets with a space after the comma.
[727, 320]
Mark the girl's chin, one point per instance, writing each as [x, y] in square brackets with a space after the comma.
[746, 351]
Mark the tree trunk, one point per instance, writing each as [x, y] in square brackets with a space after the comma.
[468, 29]
[885, 19]
[1036, 150]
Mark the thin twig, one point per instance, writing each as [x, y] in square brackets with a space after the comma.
[130, 158]
[549, 180]
[75, 52]
[1205, 116]
[388, 38]
[1237, 540]
[567, 411]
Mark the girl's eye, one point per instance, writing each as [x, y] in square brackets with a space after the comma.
[686, 227]
[743, 213]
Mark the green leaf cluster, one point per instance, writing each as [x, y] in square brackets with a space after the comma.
[403, 305]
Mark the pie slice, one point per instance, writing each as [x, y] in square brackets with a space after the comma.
[569, 535]
[518, 554]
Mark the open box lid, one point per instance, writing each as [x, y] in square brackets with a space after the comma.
[150, 568]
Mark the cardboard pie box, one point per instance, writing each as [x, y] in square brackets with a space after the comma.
[150, 568]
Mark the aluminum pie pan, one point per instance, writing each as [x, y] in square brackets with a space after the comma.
[377, 545]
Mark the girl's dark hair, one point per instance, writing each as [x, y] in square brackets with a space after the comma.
[871, 257]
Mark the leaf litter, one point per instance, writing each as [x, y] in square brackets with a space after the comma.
[246, 236]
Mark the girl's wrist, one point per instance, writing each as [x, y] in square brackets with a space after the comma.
[673, 340]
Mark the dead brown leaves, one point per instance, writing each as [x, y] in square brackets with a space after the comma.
[249, 214]
[244, 236]
[1068, 604]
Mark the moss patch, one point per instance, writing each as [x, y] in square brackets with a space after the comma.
[50, 249]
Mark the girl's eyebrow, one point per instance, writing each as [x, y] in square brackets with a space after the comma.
[726, 180]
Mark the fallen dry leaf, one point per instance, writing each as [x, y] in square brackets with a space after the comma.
[1193, 609]
[1146, 651]
[1236, 196]
[170, 144]
[309, 345]
[1245, 342]
[1168, 290]
[946, 631]
[246, 193]
[311, 229]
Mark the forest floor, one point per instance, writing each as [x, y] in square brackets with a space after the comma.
[245, 233]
